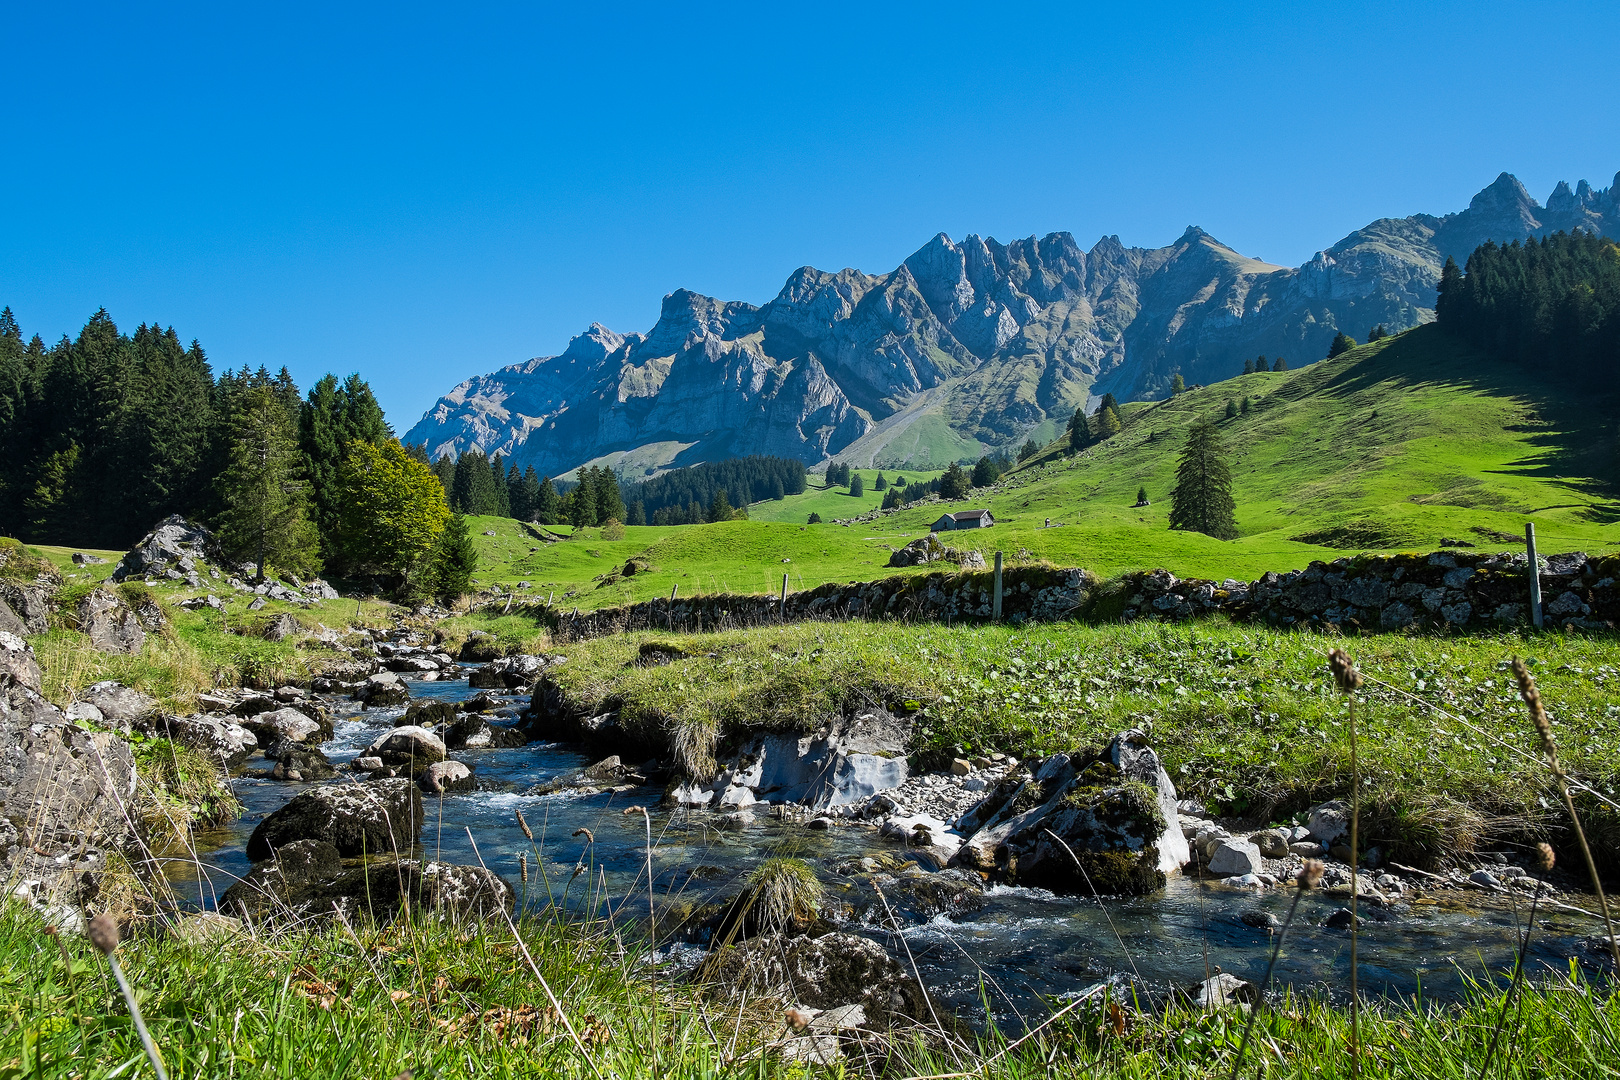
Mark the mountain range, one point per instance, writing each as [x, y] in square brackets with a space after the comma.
[965, 346]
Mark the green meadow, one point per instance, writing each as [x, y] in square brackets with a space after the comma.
[1411, 443]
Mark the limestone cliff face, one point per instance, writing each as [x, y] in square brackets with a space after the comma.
[987, 340]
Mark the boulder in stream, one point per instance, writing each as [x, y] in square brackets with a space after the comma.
[823, 972]
[844, 762]
[1098, 821]
[371, 818]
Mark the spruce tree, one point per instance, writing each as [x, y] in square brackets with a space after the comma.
[1231, 409]
[609, 498]
[857, 486]
[264, 491]
[1280, 365]
[1028, 450]
[1178, 385]
[445, 470]
[635, 513]
[500, 502]
[954, 484]
[454, 561]
[1141, 496]
[815, 518]
[879, 484]
[547, 504]
[530, 493]
[1245, 406]
[984, 472]
[1342, 343]
[518, 499]
[778, 493]
[720, 507]
[1202, 500]
[1248, 367]
[1450, 285]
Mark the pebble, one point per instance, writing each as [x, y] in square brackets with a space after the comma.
[1485, 879]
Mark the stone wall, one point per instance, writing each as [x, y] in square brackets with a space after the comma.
[1445, 589]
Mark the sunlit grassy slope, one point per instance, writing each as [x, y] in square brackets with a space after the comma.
[1403, 444]
[834, 502]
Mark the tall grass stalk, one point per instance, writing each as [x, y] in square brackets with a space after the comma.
[1544, 863]
[1349, 680]
[104, 935]
[1538, 717]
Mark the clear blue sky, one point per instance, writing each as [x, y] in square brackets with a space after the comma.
[424, 193]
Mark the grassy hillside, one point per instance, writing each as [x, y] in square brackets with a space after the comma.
[833, 502]
[1412, 442]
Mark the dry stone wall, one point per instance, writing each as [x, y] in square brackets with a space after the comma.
[1445, 589]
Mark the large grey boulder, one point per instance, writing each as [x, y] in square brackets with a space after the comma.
[475, 732]
[18, 665]
[823, 972]
[286, 723]
[1233, 858]
[307, 880]
[176, 545]
[29, 604]
[381, 690]
[1329, 822]
[408, 745]
[1097, 821]
[119, 703]
[511, 672]
[66, 798]
[109, 623]
[226, 743]
[10, 621]
[373, 818]
[847, 761]
[445, 776]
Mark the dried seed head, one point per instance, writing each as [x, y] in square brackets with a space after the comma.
[524, 825]
[1344, 671]
[1532, 701]
[1310, 875]
[590, 837]
[104, 933]
[523, 866]
[1544, 857]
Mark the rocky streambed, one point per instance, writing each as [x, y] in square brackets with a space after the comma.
[983, 868]
[454, 790]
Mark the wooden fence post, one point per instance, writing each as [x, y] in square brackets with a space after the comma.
[781, 611]
[995, 610]
[1535, 574]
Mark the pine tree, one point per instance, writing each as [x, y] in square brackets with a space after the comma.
[1377, 333]
[1028, 450]
[445, 470]
[1245, 406]
[547, 504]
[609, 499]
[266, 497]
[857, 486]
[984, 472]
[635, 513]
[1342, 343]
[500, 503]
[1248, 367]
[1178, 385]
[1231, 409]
[1202, 500]
[1280, 365]
[720, 507]
[1450, 286]
[955, 483]
[455, 560]
[1079, 431]
[879, 484]
[778, 493]
[815, 518]
[519, 499]
[1141, 496]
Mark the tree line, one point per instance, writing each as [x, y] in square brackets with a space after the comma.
[105, 434]
[1551, 304]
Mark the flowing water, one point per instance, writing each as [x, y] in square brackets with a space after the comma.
[1022, 946]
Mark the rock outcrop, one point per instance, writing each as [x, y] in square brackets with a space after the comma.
[844, 762]
[109, 623]
[1092, 822]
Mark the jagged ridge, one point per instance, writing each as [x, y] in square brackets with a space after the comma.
[965, 346]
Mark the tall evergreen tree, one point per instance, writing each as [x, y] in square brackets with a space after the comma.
[263, 489]
[547, 504]
[500, 500]
[635, 513]
[609, 499]
[1202, 500]
[720, 508]
[879, 484]
[1248, 367]
[955, 482]
[1107, 423]
[1231, 408]
[857, 486]
[454, 562]
[1342, 343]
[1280, 365]
[445, 470]
[1178, 385]
[331, 417]
[1028, 450]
